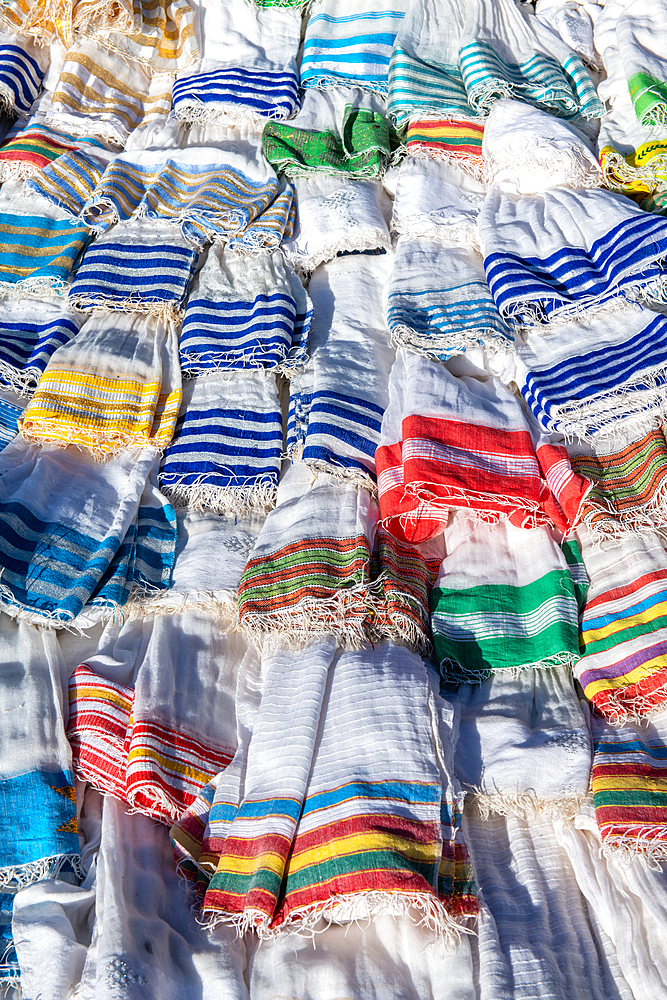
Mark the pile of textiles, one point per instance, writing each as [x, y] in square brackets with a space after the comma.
[333, 518]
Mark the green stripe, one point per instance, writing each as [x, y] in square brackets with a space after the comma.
[362, 861]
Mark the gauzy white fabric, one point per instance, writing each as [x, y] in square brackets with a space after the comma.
[529, 151]
[574, 22]
[336, 214]
[437, 200]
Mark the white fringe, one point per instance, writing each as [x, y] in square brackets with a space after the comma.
[167, 312]
[458, 674]
[221, 605]
[239, 500]
[473, 165]
[14, 876]
[526, 805]
[433, 346]
[305, 265]
[629, 848]
[197, 112]
[107, 444]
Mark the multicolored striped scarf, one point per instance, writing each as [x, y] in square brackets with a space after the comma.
[490, 50]
[69, 181]
[152, 742]
[636, 31]
[464, 442]
[555, 256]
[22, 68]
[248, 66]
[116, 386]
[39, 247]
[349, 44]
[227, 449]
[30, 332]
[207, 192]
[630, 788]
[337, 402]
[505, 600]
[330, 831]
[623, 640]
[139, 267]
[29, 147]
[596, 377]
[629, 490]
[439, 304]
[642, 171]
[438, 201]
[163, 40]
[245, 313]
[454, 141]
[99, 94]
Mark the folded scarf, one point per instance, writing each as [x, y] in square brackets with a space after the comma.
[335, 216]
[99, 94]
[530, 151]
[331, 832]
[637, 28]
[623, 640]
[163, 41]
[310, 572]
[69, 181]
[63, 520]
[244, 313]
[155, 738]
[596, 376]
[629, 490]
[30, 332]
[39, 815]
[143, 266]
[524, 746]
[248, 65]
[573, 22]
[39, 247]
[437, 200]
[455, 141]
[439, 304]
[117, 385]
[451, 442]
[513, 608]
[207, 192]
[29, 146]
[227, 449]
[490, 50]
[630, 788]
[343, 390]
[349, 44]
[60, 20]
[22, 68]
[338, 131]
[555, 256]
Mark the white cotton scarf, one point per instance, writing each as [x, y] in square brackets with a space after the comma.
[437, 200]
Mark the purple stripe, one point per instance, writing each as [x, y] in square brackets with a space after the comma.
[624, 666]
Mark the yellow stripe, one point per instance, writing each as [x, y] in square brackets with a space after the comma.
[621, 624]
[621, 783]
[356, 843]
[625, 680]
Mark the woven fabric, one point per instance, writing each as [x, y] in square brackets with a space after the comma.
[227, 448]
[629, 784]
[554, 256]
[29, 146]
[22, 68]
[488, 51]
[59, 20]
[596, 377]
[163, 40]
[116, 386]
[505, 600]
[99, 94]
[30, 332]
[454, 141]
[336, 404]
[39, 247]
[10, 415]
[623, 666]
[438, 201]
[332, 833]
[439, 304]
[68, 181]
[139, 267]
[636, 29]
[248, 65]
[244, 313]
[349, 44]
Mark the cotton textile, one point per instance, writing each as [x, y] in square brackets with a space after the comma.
[636, 28]
[439, 304]
[39, 247]
[487, 51]
[227, 448]
[438, 201]
[595, 378]
[529, 151]
[454, 141]
[139, 267]
[116, 386]
[30, 333]
[337, 403]
[333, 833]
[245, 313]
[629, 784]
[349, 44]
[248, 65]
[69, 181]
[29, 146]
[22, 67]
[557, 255]
[163, 40]
[623, 629]
[336, 215]
[504, 600]
[523, 745]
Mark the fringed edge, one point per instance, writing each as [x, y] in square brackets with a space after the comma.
[526, 805]
[627, 848]
[239, 500]
[473, 165]
[618, 709]
[580, 172]
[421, 908]
[194, 112]
[619, 175]
[324, 82]
[160, 807]
[18, 170]
[46, 619]
[420, 226]
[655, 120]
[22, 382]
[34, 288]
[304, 265]
[167, 312]
[457, 343]
[8, 101]
[458, 674]
[13, 876]
[102, 447]
[525, 314]
[352, 477]
[221, 605]
[82, 127]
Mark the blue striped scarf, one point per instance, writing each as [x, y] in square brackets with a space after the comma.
[227, 449]
[38, 252]
[30, 332]
[10, 415]
[20, 78]
[68, 181]
[260, 92]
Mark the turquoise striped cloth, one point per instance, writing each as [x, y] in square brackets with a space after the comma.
[39, 251]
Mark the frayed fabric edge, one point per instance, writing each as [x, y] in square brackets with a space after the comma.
[197, 112]
[13, 876]
[102, 446]
[220, 605]
[453, 672]
[618, 709]
[526, 805]
[238, 500]
[625, 849]
[304, 265]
